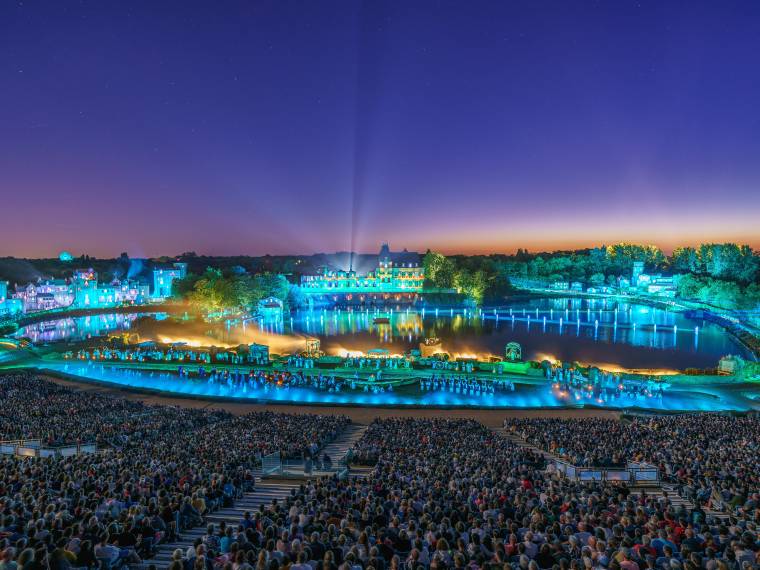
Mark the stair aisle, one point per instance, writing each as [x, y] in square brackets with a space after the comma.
[265, 492]
[520, 442]
[338, 449]
[345, 441]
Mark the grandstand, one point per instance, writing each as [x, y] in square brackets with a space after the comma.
[181, 488]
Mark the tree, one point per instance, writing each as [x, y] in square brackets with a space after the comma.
[537, 267]
[296, 297]
[248, 291]
[439, 271]
[716, 292]
[596, 279]
[181, 288]
[212, 292]
[726, 294]
[272, 285]
[688, 286]
[471, 283]
[684, 260]
[751, 298]
[622, 255]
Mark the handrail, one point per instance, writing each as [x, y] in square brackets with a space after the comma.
[20, 441]
[632, 472]
[33, 448]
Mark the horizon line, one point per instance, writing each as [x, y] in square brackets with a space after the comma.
[444, 251]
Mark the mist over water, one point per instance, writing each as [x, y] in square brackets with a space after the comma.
[199, 333]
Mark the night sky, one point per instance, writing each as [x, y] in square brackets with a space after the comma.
[296, 127]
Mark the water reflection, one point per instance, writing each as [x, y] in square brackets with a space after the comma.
[79, 328]
[634, 336]
[591, 331]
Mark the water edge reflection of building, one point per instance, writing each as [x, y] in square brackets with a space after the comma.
[77, 328]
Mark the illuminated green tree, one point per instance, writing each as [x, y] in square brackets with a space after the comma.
[248, 291]
[622, 255]
[473, 284]
[729, 261]
[439, 271]
[212, 292]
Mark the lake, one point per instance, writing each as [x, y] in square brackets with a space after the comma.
[629, 336]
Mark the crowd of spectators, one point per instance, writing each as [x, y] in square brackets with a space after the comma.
[453, 494]
[714, 458]
[439, 493]
[34, 409]
[159, 470]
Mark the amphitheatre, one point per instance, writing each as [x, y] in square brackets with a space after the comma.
[379, 285]
[170, 441]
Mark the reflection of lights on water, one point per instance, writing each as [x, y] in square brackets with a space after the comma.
[459, 329]
[526, 396]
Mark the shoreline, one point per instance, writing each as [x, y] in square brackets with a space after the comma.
[682, 306]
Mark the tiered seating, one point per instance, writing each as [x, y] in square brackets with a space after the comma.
[160, 469]
[433, 493]
[713, 458]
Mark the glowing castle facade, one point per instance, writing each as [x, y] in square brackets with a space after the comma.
[163, 278]
[44, 295]
[8, 306]
[88, 293]
[395, 273]
[82, 291]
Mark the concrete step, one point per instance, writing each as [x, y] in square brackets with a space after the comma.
[337, 449]
[361, 470]
[520, 442]
[262, 495]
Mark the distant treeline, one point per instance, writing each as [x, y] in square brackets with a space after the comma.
[725, 275]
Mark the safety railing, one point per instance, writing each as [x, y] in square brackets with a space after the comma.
[631, 473]
[274, 465]
[34, 448]
[271, 464]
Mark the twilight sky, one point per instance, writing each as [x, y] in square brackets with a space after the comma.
[259, 127]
